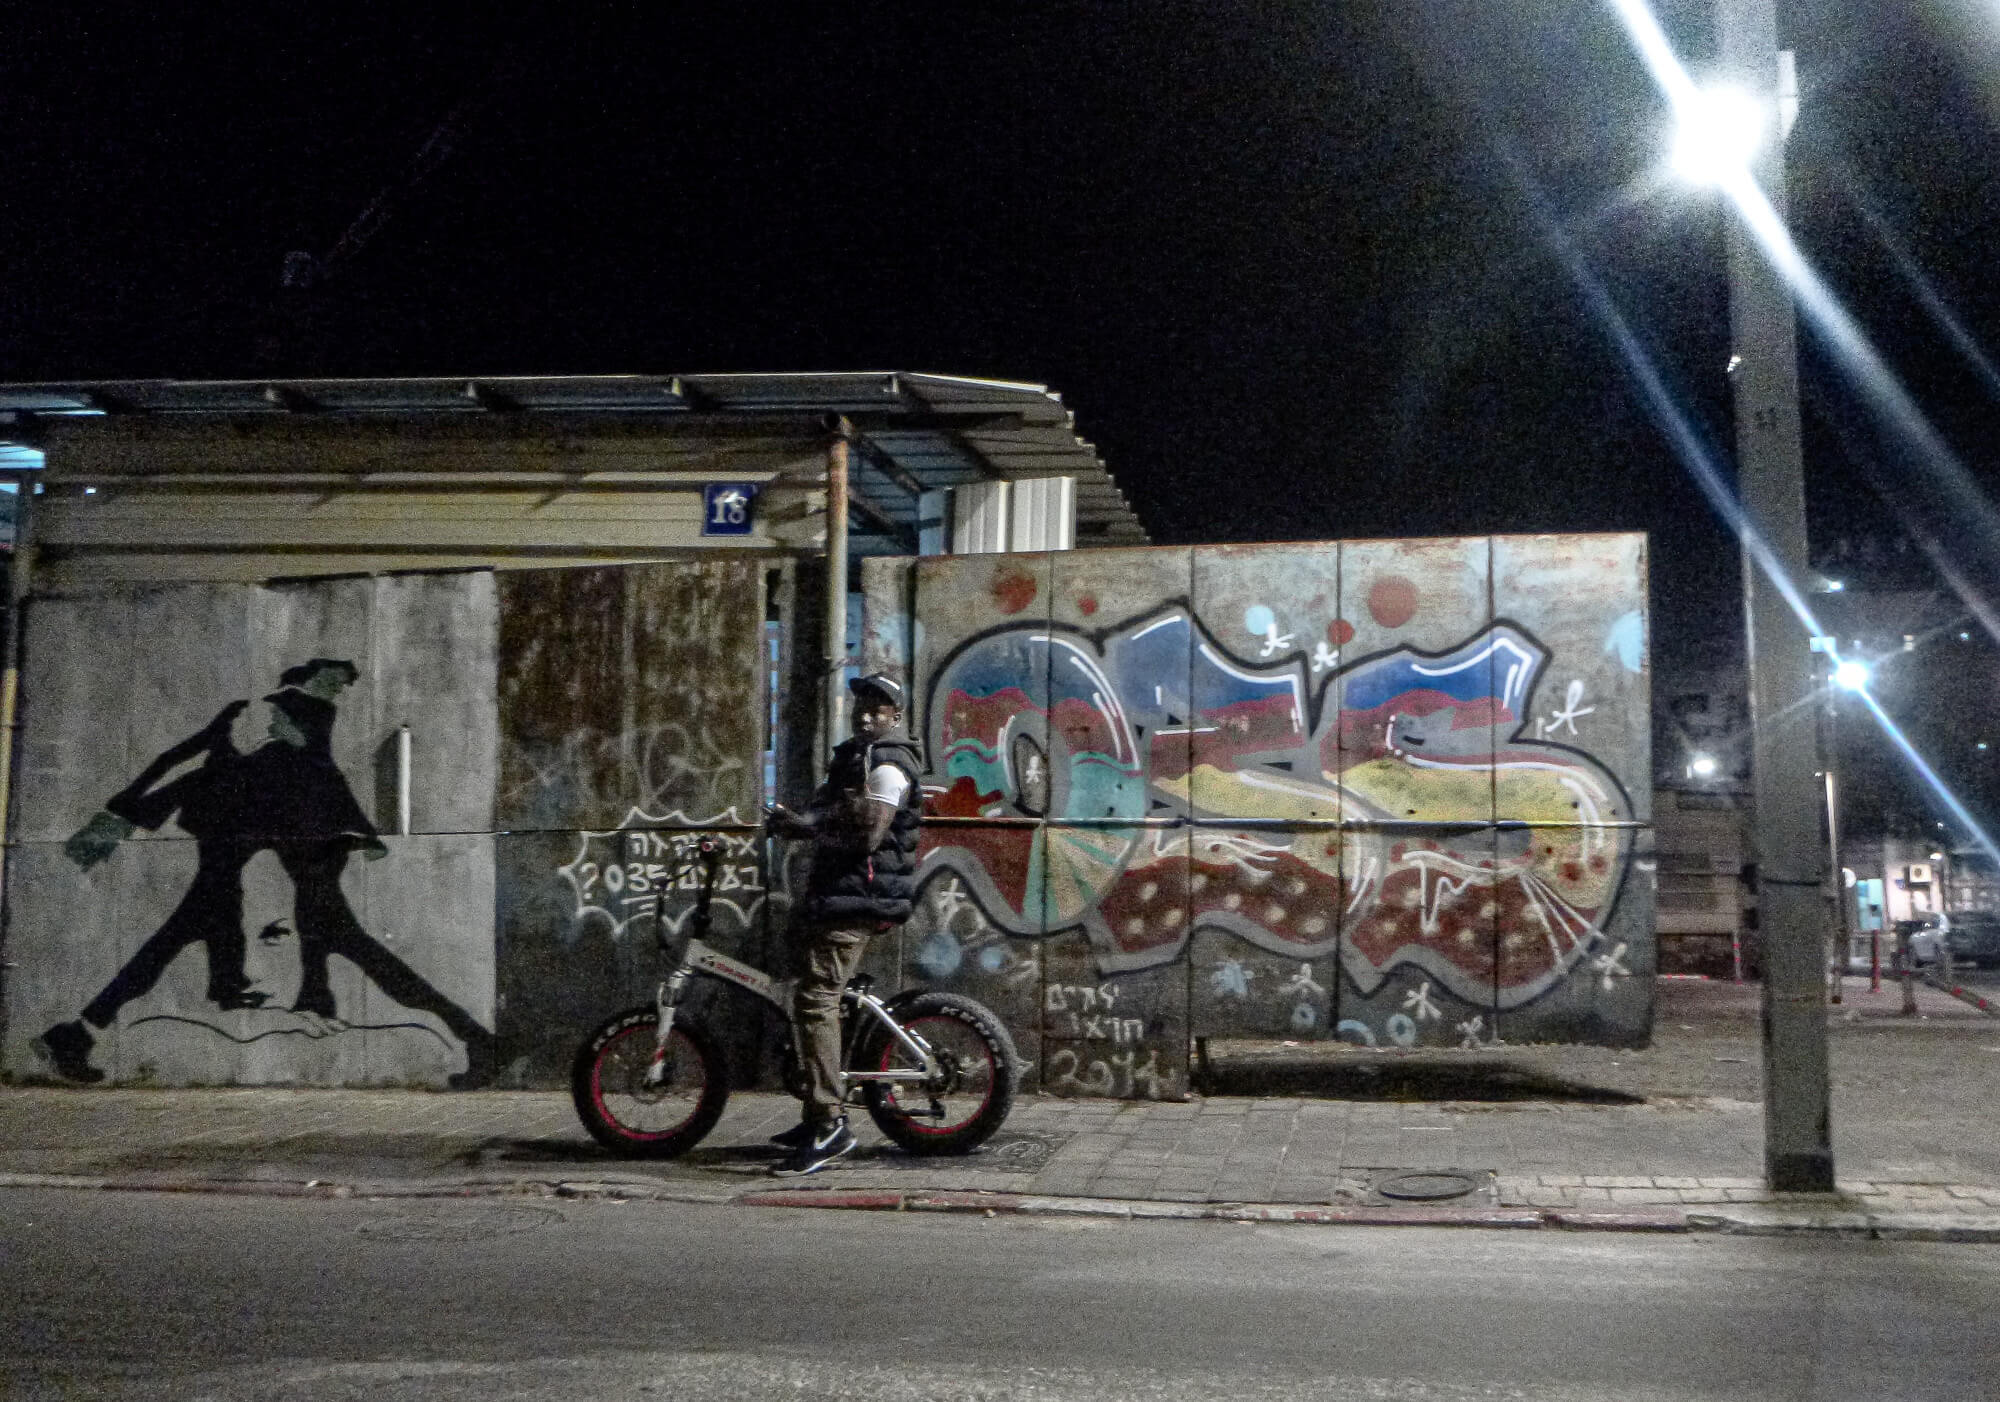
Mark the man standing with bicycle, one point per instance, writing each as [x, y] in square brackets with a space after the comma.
[863, 826]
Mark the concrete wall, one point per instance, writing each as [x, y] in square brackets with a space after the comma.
[554, 717]
[1391, 791]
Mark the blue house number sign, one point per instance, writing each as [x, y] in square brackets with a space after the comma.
[725, 507]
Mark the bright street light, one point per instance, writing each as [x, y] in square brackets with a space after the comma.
[1702, 766]
[1851, 675]
[1721, 130]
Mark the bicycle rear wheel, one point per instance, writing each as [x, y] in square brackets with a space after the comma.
[974, 1089]
[653, 1117]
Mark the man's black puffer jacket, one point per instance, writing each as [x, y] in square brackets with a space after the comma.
[878, 885]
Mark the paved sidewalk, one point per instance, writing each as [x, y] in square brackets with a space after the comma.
[1669, 1137]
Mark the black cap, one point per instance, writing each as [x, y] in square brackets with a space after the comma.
[880, 684]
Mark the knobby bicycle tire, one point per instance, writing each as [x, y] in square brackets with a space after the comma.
[621, 1112]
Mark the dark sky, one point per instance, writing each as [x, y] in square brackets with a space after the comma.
[1288, 263]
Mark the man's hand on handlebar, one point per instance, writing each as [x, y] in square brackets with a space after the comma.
[781, 821]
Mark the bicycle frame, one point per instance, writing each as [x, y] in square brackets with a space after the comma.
[700, 957]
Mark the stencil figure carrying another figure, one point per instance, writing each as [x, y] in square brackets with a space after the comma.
[289, 797]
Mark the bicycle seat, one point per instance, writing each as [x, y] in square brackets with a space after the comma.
[861, 983]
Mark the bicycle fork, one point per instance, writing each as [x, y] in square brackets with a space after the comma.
[666, 1000]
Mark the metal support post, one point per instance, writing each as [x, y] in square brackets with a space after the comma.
[836, 586]
[1836, 885]
[1792, 915]
[19, 586]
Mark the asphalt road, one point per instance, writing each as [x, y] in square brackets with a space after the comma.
[123, 1295]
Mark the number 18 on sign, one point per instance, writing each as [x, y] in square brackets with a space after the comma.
[725, 507]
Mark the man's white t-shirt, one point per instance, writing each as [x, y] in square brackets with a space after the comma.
[888, 784]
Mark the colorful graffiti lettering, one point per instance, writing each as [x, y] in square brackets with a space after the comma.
[1403, 809]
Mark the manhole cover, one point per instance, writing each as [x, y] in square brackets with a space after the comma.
[1026, 1152]
[1426, 1187]
[477, 1224]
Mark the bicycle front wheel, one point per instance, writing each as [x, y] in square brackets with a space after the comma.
[631, 1109]
[959, 1108]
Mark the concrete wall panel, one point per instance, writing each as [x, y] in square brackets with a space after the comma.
[1602, 992]
[1265, 927]
[430, 904]
[437, 648]
[290, 624]
[1123, 709]
[1269, 644]
[562, 700]
[74, 712]
[1123, 1035]
[1419, 940]
[63, 944]
[190, 657]
[577, 934]
[1582, 598]
[630, 690]
[236, 934]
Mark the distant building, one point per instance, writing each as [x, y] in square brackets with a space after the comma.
[1904, 854]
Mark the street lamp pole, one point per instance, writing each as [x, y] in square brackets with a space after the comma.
[1798, 1147]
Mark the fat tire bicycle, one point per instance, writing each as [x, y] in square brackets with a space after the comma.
[936, 1071]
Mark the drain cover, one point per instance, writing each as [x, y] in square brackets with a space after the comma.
[1426, 1187]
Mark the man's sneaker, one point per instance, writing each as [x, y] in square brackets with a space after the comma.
[817, 1152]
[67, 1046]
[797, 1137]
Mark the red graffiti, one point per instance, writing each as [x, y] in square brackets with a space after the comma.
[1013, 590]
[1392, 601]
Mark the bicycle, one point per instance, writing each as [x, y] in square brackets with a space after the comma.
[936, 1071]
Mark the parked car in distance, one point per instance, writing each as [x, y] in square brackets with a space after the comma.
[1974, 938]
[1921, 937]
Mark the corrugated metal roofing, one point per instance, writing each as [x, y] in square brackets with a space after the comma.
[918, 431]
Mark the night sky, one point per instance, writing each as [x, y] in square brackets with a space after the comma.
[1290, 264]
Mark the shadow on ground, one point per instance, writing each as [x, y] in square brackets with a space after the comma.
[1394, 1077]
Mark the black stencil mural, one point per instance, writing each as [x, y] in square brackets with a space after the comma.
[288, 798]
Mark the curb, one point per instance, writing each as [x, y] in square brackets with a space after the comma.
[586, 1189]
[1746, 1219]
[1361, 1215]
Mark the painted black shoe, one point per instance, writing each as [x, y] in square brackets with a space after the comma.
[822, 1149]
[797, 1137]
[482, 1063]
[67, 1046]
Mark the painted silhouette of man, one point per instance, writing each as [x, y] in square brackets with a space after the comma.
[287, 795]
[318, 825]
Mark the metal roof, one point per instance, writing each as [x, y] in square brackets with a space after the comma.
[916, 432]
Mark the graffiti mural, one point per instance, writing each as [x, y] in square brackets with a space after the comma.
[1405, 742]
[1381, 791]
[288, 798]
